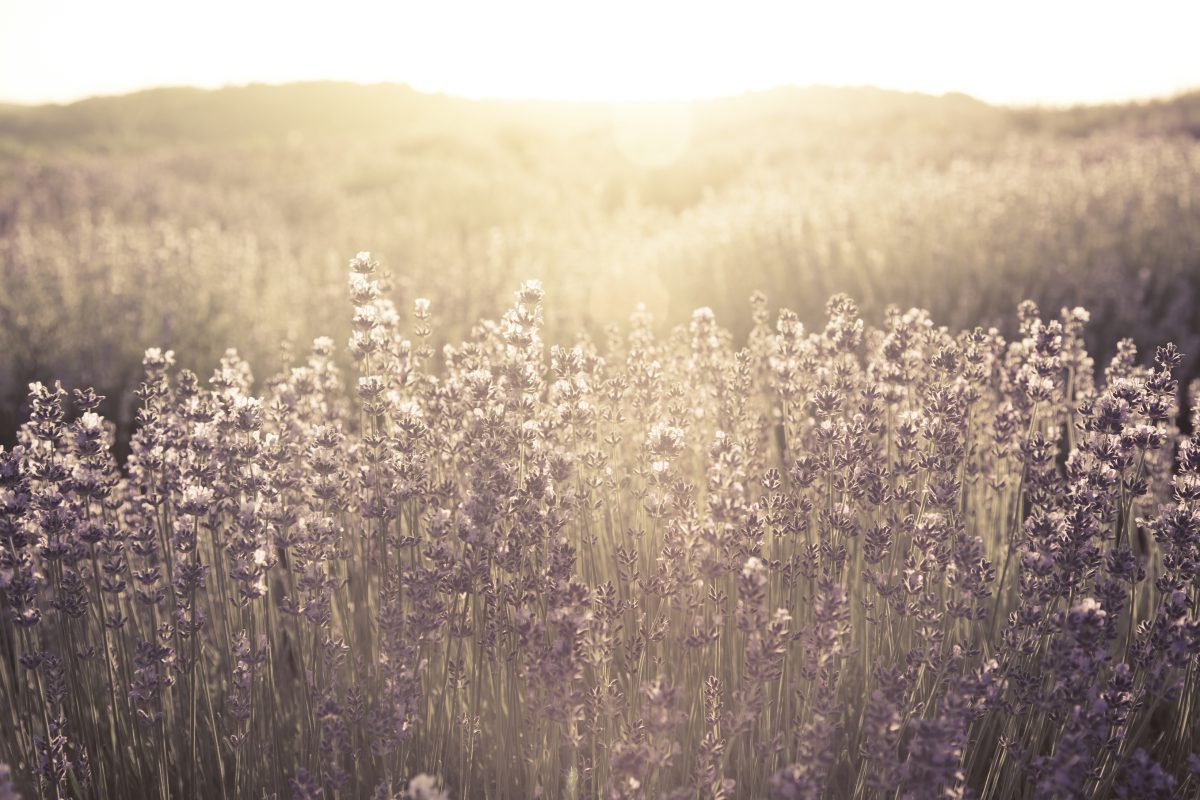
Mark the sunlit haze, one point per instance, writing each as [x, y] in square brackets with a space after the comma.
[1014, 52]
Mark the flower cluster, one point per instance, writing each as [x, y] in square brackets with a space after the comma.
[852, 562]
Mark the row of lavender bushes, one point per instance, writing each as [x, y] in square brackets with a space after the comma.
[893, 562]
[240, 246]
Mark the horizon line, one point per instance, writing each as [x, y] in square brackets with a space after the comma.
[1032, 103]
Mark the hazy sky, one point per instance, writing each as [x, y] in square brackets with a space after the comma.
[1046, 51]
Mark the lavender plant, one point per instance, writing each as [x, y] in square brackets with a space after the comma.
[900, 562]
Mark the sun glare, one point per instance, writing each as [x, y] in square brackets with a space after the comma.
[652, 134]
[616, 51]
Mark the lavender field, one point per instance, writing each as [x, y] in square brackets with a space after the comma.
[756, 401]
[875, 558]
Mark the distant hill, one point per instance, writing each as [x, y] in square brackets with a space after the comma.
[318, 109]
[329, 109]
[334, 109]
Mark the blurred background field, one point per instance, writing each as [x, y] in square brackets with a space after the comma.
[202, 220]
